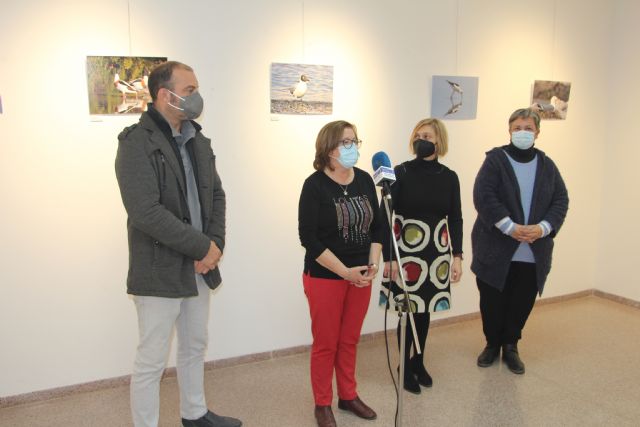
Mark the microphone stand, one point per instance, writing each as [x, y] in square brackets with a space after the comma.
[404, 307]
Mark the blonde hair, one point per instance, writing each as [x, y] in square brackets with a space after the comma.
[327, 141]
[441, 135]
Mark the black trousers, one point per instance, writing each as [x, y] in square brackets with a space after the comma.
[505, 313]
[422, 321]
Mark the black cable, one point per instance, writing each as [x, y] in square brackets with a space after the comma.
[386, 311]
[386, 343]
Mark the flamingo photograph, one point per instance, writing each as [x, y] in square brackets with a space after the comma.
[454, 97]
[118, 84]
[301, 89]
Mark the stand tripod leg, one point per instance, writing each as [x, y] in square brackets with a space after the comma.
[403, 344]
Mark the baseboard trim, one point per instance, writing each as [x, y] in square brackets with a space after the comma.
[617, 298]
[58, 392]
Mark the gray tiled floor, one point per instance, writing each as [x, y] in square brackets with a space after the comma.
[581, 356]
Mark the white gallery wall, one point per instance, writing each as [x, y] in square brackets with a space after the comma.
[64, 315]
[619, 231]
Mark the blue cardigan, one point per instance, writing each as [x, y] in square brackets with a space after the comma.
[496, 194]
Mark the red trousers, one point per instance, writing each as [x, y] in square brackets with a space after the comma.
[337, 311]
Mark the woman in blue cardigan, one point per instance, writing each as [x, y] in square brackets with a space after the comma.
[522, 202]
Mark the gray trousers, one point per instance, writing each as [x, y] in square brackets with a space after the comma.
[156, 319]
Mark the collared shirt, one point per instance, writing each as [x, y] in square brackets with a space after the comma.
[187, 132]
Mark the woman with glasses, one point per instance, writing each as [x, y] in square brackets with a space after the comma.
[339, 226]
[428, 229]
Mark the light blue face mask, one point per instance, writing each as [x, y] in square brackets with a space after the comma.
[348, 156]
[523, 139]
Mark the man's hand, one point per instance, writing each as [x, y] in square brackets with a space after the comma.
[210, 260]
[200, 267]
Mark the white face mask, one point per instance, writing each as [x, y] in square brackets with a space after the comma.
[523, 139]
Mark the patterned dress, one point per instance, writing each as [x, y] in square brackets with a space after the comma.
[426, 200]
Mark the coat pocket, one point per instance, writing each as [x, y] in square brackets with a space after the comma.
[164, 257]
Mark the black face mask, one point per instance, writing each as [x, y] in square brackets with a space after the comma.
[423, 148]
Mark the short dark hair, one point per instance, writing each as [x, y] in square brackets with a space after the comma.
[525, 113]
[327, 141]
[161, 75]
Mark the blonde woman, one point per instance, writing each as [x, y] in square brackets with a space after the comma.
[428, 229]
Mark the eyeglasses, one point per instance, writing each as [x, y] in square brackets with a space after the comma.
[348, 143]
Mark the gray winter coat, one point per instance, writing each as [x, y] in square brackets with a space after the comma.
[162, 243]
[496, 194]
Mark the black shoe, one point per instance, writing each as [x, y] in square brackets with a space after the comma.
[488, 356]
[417, 367]
[512, 359]
[410, 381]
[212, 420]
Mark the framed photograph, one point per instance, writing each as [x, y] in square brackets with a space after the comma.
[118, 84]
[551, 99]
[301, 89]
[454, 97]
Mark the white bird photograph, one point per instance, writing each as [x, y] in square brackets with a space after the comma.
[302, 89]
[119, 84]
[551, 99]
[124, 87]
[454, 97]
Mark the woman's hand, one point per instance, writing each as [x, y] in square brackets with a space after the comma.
[456, 269]
[527, 233]
[390, 270]
[361, 275]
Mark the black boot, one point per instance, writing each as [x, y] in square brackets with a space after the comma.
[417, 366]
[488, 355]
[512, 358]
[410, 380]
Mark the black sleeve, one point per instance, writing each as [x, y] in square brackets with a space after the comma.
[377, 224]
[559, 204]
[486, 197]
[308, 217]
[386, 229]
[455, 216]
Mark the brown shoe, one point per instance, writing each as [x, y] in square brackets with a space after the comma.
[324, 416]
[358, 407]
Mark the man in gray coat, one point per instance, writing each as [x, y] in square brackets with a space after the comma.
[176, 227]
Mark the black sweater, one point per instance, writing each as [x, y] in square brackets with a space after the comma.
[427, 188]
[346, 225]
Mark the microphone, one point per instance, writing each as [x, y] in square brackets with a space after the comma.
[383, 174]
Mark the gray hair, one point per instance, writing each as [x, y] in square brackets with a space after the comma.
[525, 113]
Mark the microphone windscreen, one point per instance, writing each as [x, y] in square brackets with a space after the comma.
[380, 159]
